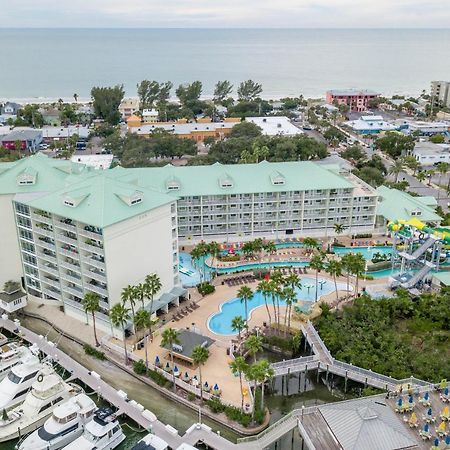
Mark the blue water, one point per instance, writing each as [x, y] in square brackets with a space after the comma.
[194, 277]
[284, 61]
[367, 252]
[220, 322]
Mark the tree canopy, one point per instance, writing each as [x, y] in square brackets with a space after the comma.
[249, 90]
[395, 144]
[106, 101]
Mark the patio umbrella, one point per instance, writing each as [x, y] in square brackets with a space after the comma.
[429, 412]
[426, 396]
[426, 428]
[157, 361]
[186, 377]
[176, 372]
[446, 391]
[195, 380]
[445, 412]
[167, 368]
[436, 442]
[410, 399]
[206, 386]
[441, 427]
[400, 402]
[447, 440]
[216, 389]
[413, 418]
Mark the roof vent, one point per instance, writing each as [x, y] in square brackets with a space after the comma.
[131, 197]
[27, 177]
[277, 179]
[226, 181]
[73, 199]
[173, 184]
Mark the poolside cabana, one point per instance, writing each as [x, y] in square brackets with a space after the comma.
[172, 297]
[188, 341]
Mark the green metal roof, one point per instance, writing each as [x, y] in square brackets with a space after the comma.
[245, 178]
[100, 200]
[398, 205]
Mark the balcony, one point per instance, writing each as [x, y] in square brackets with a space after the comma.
[70, 253]
[51, 282]
[43, 219]
[66, 239]
[93, 262]
[97, 289]
[52, 270]
[72, 278]
[92, 248]
[90, 234]
[97, 275]
[74, 290]
[67, 226]
[50, 292]
[47, 257]
[44, 244]
[43, 231]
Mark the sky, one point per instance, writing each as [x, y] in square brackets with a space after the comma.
[225, 13]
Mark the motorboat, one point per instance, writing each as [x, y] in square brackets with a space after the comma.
[102, 433]
[11, 354]
[151, 442]
[47, 392]
[16, 385]
[64, 426]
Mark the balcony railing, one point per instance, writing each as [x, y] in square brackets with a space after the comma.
[97, 289]
[43, 219]
[97, 275]
[72, 279]
[65, 226]
[70, 266]
[74, 291]
[46, 257]
[44, 244]
[51, 293]
[50, 270]
[70, 253]
[92, 248]
[50, 282]
[93, 262]
[66, 239]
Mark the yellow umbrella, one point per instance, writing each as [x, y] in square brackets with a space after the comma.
[413, 418]
[445, 412]
[443, 383]
[441, 427]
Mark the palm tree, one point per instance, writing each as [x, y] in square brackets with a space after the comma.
[128, 295]
[421, 176]
[339, 228]
[289, 296]
[442, 168]
[254, 345]
[152, 285]
[200, 355]
[358, 265]
[264, 289]
[169, 337]
[252, 373]
[346, 264]
[264, 373]
[334, 268]
[238, 324]
[429, 174]
[397, 166]
[245, 294]
[214, 250]
[258, 245]
[273, 292]
[248, 249]
[270, 247]
[316, 263]
[75, 97]
[278, 280]
[119, 315]
[239, 366]
[140, 293]
[310, 244]
[91, 304]
[142, 320]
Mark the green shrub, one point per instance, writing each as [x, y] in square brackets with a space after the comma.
[139, 367]
[259, 416]
[205, 288]
[230, 258]
[190, 396]
[279, 341]
[215, 405]
[91, 351]
[362, 236]
[158, 378]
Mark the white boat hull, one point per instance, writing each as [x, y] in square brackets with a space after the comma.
[54, 444]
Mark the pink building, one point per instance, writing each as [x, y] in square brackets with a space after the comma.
[357, 100]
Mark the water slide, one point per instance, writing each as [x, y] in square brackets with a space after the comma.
[440, 233]
[420, 250]
[420, 275]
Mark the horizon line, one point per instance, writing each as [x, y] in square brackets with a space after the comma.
[221, 28]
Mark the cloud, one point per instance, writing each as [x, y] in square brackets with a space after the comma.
[226, 13]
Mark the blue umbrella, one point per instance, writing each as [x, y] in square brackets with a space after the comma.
[167, 368]
[175, 369]
[400, 402]
[410, 399]
[426, 396]
[206, 384]
[426, 428]
[157, 361]
[429, 412]
[436, 442]
[446, 391]
[216, 387]
[447, 440]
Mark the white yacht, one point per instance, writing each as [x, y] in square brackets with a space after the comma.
[151, 442]
[47, 392]
[11, 354]
[102, 433]
[16, 385]
[64, 426]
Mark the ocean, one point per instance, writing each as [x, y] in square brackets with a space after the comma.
[53, 63]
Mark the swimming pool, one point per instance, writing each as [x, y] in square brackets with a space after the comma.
[189, 275]
[220, 322]
[367, 252]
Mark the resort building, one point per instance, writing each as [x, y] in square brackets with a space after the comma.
[427, 128]
[370, 125]
[356, 100]
[275, 126]
[272, 200]
[150, 115]
[28, 138]
[68, 229]
[429, 154]
[57, 133]
[440, 93]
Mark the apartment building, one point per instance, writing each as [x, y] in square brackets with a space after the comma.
[440, 93]
[68, 229]
[272, 200]
[356, 100]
